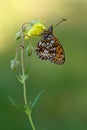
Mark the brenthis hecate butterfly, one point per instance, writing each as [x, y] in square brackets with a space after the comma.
[49, 47]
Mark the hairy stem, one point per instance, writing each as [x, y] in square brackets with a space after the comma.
[23, 73]
[24, 84]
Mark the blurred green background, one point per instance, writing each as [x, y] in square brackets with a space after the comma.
[63, 105]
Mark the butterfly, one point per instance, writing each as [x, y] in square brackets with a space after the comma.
[49, 47]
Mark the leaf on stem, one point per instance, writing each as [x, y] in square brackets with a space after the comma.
[16, 104]
[18, 35]
[27, 109]
[22, 78]
[36, 99]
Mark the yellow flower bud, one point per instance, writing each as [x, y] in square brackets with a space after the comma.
[36, 29]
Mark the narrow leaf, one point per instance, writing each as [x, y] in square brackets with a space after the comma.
[17, 105]
[25, 77]
[18, 35]
[19, 79]
[22, 78]
[36, 99]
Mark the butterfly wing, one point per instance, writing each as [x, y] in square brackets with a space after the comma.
[49, 48]
[59, 52]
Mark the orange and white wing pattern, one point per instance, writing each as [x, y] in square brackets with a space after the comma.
[49, 48]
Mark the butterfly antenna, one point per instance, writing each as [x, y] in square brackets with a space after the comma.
[60, 22]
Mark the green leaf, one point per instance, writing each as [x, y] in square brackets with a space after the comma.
[17, 105]
[36, 99]
[24, 77]
[18, 35]
[20, 80]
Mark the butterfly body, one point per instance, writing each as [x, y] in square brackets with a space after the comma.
[49, 48]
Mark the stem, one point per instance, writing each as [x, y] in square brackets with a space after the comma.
[31, 122]
[24, 84]
[23, 73]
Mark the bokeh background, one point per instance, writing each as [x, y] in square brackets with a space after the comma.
[63, 105]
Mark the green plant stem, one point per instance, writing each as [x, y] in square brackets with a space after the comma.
[24, 84]
[31, 122]
[23, 73]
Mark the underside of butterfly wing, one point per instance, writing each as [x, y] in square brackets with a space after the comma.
[49, 48]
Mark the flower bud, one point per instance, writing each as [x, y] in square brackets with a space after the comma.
[14, 64]
[36, 29]
[29, 50]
